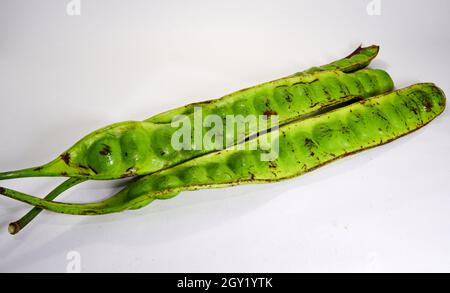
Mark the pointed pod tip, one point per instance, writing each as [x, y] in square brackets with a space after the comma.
[361, 49]
[376, 47]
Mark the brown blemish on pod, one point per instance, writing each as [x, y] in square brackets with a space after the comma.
[427, 103]
[129, 173]
[93, 170]
[269, 113]
[83, 167]
[106, 150]
[66, 158]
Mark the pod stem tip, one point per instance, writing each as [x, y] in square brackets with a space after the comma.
[14, 228]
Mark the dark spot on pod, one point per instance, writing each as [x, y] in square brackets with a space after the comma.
[427, 103]
[91, 212]
[345, 130]
[309, 143]
[37, 169]
[64, 174]
[283, 93]
[272, 165]
[93, 170]
[129, 173]
[83, 167]
[106, 150]
[2, 190]
[269, 113]
[104, 155]
[66, 158]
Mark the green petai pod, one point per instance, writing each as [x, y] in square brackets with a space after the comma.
[302, 146]
[137, 148]
[358, 59]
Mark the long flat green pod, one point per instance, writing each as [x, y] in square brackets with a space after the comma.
[137, 148]
[358, 59]
[303, 146]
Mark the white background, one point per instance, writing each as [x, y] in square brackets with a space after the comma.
[61, 77]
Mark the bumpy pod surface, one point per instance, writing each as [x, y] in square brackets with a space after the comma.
[358, 59]
[139, 148]
[142, 147]
[303, 146]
